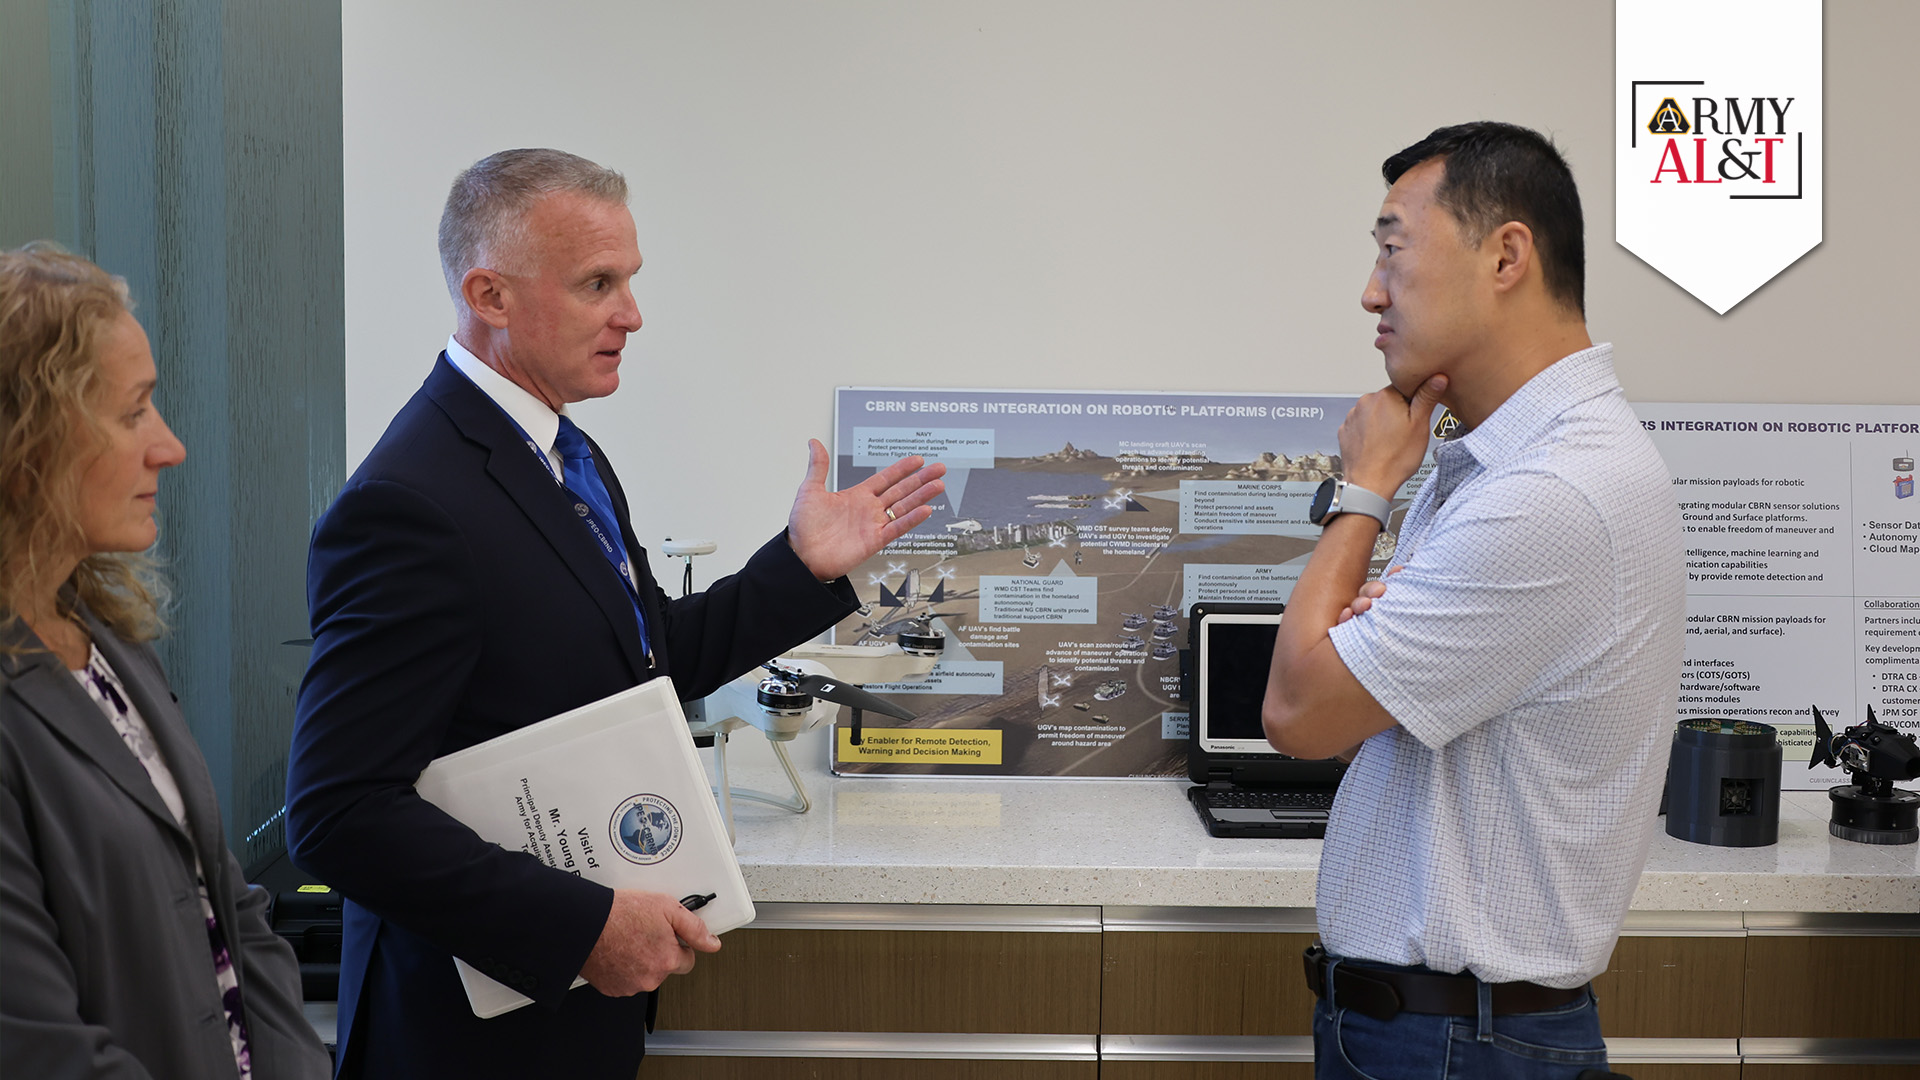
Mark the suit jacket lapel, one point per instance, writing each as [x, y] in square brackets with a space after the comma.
[49, 689]
[147, 689]
[518, 471]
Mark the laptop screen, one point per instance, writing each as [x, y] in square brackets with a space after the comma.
[1233, 654]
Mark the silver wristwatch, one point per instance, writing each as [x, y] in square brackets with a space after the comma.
[1337, 497]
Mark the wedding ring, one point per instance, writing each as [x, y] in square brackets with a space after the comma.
[890, 516]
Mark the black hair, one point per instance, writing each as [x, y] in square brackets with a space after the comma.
[1494, 173]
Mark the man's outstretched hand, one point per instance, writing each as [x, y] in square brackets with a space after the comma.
[835, 531]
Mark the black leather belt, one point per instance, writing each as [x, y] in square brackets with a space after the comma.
[1383, 993]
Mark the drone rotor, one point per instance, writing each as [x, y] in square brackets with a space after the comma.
[788, 692]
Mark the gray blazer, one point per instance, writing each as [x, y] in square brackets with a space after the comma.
[104, 965]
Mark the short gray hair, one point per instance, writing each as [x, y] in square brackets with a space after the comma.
[484, 220]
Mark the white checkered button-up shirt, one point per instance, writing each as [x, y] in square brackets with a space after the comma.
[1529, 650]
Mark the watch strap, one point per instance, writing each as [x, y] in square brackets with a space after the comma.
[1349, 499]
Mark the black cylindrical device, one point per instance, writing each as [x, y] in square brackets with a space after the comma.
[1723, 783]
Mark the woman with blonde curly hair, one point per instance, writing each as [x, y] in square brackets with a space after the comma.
[133, 944]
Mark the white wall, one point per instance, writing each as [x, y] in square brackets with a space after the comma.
[1086, 194]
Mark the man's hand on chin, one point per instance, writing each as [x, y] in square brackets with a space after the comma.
[1384, 439]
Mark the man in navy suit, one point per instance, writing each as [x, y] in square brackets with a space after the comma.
[479, 572]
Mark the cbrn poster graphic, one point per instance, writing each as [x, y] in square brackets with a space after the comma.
[1077, 529]
[1803, 565]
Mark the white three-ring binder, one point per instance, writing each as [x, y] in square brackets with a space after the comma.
[612, 791]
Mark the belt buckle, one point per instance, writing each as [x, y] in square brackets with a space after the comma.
[1315, 959]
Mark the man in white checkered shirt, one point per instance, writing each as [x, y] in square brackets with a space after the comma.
[1511, 688]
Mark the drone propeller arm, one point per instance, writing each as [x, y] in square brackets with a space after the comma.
[840, 693]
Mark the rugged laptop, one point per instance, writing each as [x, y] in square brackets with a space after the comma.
[1245, 786]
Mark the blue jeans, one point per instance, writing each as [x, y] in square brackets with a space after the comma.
[1555, 1045]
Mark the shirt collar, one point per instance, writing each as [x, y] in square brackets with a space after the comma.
[541, 424]
[1566, 382]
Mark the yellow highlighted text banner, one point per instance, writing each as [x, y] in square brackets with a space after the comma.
[936, 746]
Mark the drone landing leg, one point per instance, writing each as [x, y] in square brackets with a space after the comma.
[797, 802]
[722, 790]
[800, 803]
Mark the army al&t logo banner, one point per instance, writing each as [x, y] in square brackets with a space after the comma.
[1717, 140]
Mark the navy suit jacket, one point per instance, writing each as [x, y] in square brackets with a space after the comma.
[456, 597]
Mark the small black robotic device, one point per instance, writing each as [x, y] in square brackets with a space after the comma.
[1870, 810]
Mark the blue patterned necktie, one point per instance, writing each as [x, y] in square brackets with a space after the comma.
[595, 508]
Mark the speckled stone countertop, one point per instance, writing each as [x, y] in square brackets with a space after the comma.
[1137, 842]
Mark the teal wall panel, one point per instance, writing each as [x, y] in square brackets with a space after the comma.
[194, 147]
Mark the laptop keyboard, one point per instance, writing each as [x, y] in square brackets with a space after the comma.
[1242, 799]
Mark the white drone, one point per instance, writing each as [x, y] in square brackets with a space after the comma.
[802, 689]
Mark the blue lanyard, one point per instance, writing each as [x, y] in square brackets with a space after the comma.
[610, 545]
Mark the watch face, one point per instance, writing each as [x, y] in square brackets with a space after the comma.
[1322, 500]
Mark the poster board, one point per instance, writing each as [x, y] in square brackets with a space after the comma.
[1803, 566]
[1079, 526]
[1076, 530]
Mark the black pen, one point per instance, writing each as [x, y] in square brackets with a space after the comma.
[696, 901]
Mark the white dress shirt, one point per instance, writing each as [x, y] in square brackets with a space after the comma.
[1529, 650]
[541, 424]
